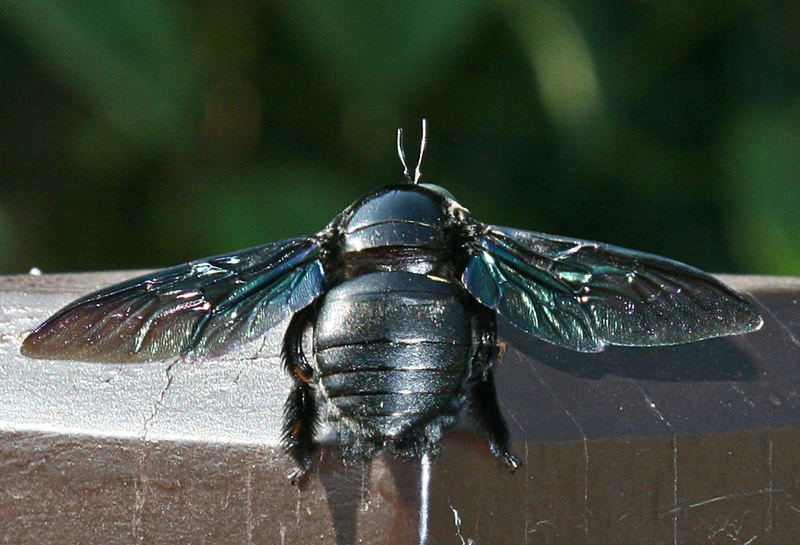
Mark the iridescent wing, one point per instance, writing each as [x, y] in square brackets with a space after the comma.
[202, 307]
[584, 295]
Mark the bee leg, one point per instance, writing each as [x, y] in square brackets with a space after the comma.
[300, 411]
[482, 405]
[481, 394]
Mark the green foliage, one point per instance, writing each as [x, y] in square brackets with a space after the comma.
[142, 134]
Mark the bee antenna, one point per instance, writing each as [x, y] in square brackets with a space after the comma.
[422, 145]
[401, 152]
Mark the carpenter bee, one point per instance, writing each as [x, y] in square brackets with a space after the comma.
[402, 291]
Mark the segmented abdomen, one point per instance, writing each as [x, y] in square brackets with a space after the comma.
[392, 349]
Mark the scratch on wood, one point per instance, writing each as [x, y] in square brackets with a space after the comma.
[655, 410]
[723, 497]
[675, 487]
[770, 486]
[457, 521]
[249, 484]
[586, 513]
[140, 486]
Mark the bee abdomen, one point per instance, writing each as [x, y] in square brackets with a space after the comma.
[375, 382]
[401, 388]
[392, 349]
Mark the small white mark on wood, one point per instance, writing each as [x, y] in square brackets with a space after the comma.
[457, 521]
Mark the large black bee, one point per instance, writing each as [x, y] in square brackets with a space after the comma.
[402, 291]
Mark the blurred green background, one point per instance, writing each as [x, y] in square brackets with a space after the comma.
[147, 133]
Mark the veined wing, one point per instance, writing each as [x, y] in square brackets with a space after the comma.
[584, 295]
[203, 307]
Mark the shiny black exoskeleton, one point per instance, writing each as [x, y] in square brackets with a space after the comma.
[399, 345]
[402, 291]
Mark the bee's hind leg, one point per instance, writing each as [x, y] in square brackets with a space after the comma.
[300, 412]
[481, 394]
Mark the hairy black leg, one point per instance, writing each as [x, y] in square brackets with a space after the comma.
[300, 410]
[481, 394]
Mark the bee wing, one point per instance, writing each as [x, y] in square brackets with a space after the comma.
[202, 307]
[584, 295]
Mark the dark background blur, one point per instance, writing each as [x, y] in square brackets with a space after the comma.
[147, 133]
